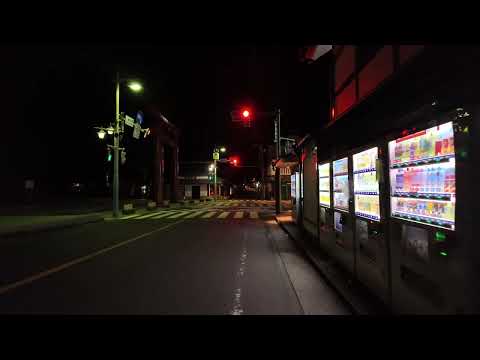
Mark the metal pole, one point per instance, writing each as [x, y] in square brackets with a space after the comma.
[278, 208]
[116, 143]
[262, 171]
[215, 179]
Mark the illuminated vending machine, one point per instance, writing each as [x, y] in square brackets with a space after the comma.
[371, 250]
[293, 192]
[343, 249]
[326, 230]
[425, 231]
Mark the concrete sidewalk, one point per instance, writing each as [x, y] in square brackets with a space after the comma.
[359, 299]
[17, 225]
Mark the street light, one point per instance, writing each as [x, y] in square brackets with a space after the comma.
[135, 86]
[101, 134]
[217, 150]
[110, 131]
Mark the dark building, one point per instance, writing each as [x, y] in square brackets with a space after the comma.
[197, 182]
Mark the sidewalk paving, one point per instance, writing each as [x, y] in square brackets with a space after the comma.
[360, 300]
[16, 225]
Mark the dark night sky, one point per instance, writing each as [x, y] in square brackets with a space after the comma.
[54, 94]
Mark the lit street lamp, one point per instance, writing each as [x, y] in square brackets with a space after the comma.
[115, 131]
[134, 86]
[216, 156]
[101, 134]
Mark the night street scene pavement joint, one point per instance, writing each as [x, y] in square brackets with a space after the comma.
[144, 178]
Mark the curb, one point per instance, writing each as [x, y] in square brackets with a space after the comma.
[357, 309]
[54, 226]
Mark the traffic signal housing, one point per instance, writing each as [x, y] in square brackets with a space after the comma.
[234, 160]
[243, 116]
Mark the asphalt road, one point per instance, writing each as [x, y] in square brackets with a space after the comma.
[161, 266]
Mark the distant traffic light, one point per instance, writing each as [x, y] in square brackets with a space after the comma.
[109, 155]
[235, 161]
[243, 115]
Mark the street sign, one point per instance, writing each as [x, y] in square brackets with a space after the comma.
[136, 131]
[140, 117]
[129, 121]
[216, 156]
[147, 132]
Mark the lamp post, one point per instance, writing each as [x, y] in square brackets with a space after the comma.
[115, 131]
[216, 154]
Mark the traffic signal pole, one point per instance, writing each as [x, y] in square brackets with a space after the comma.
[278, 180]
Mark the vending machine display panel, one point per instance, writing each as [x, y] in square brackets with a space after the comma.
[365, 184]
[422, 177]
[340, 184]
[324, 184]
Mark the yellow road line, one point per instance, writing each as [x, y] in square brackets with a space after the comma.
[209, 214]
[223, 215]
[43, 274]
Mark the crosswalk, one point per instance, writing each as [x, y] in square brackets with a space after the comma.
[221, 209]
[195, 214]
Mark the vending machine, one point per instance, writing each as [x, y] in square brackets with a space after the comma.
[295, 194]
[427, 261]
[326, 229]
[343, 225]
[371, 248]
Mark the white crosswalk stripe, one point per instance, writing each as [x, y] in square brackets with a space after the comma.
[223, 215]
[165, 214]
[238, 215]
[129, 217]
[148, 215]
[176, 216]
[209, 214]
[194, 214]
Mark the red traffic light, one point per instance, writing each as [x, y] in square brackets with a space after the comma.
[246, 114]
[234, 161]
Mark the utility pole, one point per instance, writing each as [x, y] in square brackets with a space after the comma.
[262, 169]
[116, 144]
[278, 181]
